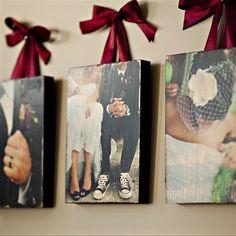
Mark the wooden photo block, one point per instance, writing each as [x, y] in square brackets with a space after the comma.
[200, 93]
[108, 133]
[26, 144]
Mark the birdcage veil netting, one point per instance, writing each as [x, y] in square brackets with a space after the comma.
[216, 108]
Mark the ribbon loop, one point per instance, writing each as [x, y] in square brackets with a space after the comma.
[27, 64]
[117, 38]
[199, 10]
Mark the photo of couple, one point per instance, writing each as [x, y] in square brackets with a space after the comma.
[200, 92]
[21, 143]
[103, 119]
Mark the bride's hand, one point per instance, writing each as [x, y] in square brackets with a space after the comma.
[172, 90]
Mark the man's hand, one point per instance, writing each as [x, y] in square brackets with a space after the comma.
[17, 159]
[230, 154]
[117, 108]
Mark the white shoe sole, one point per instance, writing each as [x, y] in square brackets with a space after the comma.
[125, 195]
[99, 196]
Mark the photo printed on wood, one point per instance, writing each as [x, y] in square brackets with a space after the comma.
[25, 152]
[200, 126]
[103, 133]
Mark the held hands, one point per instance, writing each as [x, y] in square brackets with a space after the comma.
[230, 154]
[17, 159]
[117, 108]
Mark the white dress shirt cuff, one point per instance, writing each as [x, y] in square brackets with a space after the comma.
[22, 198]
[128, 113]
[107, 109]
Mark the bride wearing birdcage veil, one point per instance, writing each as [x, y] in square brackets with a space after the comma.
[199, 117]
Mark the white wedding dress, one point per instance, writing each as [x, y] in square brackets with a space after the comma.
[84, 133]
[190, 171]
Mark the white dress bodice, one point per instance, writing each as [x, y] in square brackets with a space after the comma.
[190, 171]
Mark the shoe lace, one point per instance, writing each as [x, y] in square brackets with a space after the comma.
[102, 181]
[124, 180]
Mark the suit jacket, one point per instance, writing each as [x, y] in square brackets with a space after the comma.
[28, 118]
[113, 87]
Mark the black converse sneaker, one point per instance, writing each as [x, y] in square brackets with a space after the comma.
[125, 190]
[103, 184]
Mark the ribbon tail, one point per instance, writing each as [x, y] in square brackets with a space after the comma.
[42, 52]
[122, 43]
[212, 37]
[32, 64]
[229, 39]
[109, 53]
[19, 70]
[148, 30]
[27, 64]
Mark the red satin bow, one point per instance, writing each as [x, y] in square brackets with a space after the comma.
[27, 64]
[199, 10]
[117, 38]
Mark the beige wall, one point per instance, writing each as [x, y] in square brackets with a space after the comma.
[74, 49]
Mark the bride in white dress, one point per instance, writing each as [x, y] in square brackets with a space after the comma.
[84, 119]
[195, 134]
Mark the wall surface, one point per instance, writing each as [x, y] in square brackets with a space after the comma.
[75, 49]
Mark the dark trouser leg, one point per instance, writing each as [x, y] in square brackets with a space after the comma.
[106, 148]
[131, 137]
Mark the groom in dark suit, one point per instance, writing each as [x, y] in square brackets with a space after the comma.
[119, 95]
[21, 125]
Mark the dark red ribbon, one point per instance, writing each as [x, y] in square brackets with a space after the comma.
[117, 38]
[198, 10]
[27, 64]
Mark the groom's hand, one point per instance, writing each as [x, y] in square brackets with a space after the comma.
[17, 159]
[230, 154]
[117, 108]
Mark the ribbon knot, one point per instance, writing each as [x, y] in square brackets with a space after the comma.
[120, 16]
[27, 64]
[117, 38]
[198, 10]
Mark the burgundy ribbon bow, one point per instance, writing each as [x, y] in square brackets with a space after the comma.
[199, 10]
[117, 38]
[27, 64]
